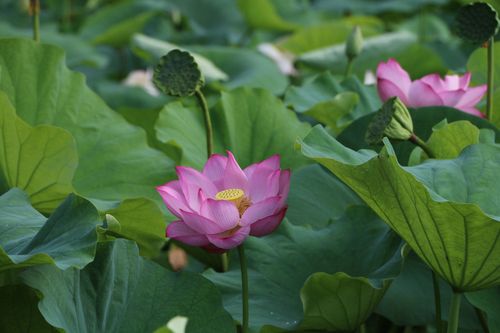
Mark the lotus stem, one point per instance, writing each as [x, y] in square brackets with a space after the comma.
[489, 96]
[67, 16]
[224, 262]
[454, 315]
[208, 122]
[348, 68]
[419, 142]
[244, 287]
[437, 302]
[35, 12]
[362, 328]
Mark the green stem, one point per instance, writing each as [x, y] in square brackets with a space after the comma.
[489, 96]
[482, 320]
[244, 287]
[348, 68]
[35, 12]
[454, 315]
[67, 16]
[362, 328]
[437, 302]
[224, 262]
[419, 142]
[208, 122]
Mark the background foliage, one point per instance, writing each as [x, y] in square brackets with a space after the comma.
[82, 230]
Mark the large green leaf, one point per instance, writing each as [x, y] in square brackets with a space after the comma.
[182, 128]
[114, 24]
[141, 220]
[488, 301]
[251, 123]
[338, 302]
[324, 87]
[261, 14]
[254, 125]
[448, 140]
[40, 160]
[78, 51]
[66, 239]
[410, 299]
[428, 27]
[452, 225]
[401, 46]
[122, 97]
[332, 102]
[357, 243]
[112, 153]
[18, 306]
[310, 201]
[375, 6]
[320, 35]
[246, 67]
[336, 113]
[146, 119]
[424, 120]
[213, 19]
[121, 292]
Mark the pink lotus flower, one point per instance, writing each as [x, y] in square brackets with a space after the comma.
[431, 90]
[221, 206]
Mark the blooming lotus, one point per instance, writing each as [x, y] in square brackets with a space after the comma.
[430, 90]
[221, 206]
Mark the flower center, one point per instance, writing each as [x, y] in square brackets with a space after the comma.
[236, 196]
[232, 194]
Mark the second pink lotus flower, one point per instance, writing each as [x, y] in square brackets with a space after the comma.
[430, 90]
[221, 206]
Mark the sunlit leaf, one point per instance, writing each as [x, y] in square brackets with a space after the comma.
[357, 243]
[66, 239]
[112, 153]
[452, 225]
[39, 160]
[126, 293]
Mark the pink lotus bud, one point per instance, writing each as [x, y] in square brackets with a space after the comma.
[430, 90]
[221, 206]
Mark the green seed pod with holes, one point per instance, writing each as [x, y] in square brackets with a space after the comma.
[178, 74]
[477, 22]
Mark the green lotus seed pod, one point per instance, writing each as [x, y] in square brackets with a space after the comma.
[392, 120]
[477, 22]
[177, 74]
[354, 43]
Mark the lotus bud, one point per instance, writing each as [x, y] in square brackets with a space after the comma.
[354, 43]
